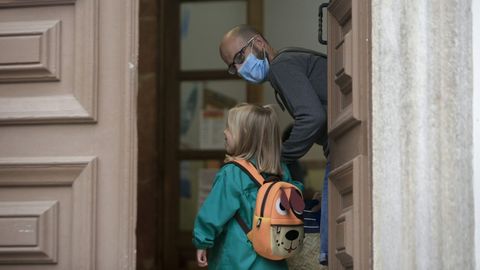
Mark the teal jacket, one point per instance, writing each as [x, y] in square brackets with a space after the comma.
[217, 230]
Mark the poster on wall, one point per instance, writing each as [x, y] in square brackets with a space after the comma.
[190, 106]
[213, 119]
[203, 116]
[212, 124]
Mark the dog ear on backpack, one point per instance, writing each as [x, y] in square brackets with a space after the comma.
[284, 201]
[296, 201]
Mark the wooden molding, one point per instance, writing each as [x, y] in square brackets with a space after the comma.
[255, 19]
[31, 232]
[31, 3]
[39, 58]
[341, 10]
[77, 173]
[344, 198]
[345, 102]
[78, 104]
[127, 217]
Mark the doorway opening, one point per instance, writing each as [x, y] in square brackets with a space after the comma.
[184, 92]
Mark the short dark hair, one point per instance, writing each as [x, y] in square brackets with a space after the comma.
[245, 31]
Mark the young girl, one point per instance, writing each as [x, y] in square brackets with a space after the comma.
[252, 133]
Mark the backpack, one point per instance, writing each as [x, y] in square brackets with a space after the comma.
[277, 226]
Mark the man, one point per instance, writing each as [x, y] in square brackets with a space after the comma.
[299, 78]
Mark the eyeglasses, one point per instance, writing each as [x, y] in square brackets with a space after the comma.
[239, 57]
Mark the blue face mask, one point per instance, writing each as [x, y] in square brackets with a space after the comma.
[254, 70]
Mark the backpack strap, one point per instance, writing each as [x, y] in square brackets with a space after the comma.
[242, 223]
[248, 168]
[301, 50]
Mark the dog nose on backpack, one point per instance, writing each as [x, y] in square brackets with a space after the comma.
[291, 235]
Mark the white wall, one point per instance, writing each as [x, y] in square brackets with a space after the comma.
[290, 23]
[422, 135]
[476, 125]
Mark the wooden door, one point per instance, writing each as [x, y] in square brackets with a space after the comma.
[67, 134]
[349, 121]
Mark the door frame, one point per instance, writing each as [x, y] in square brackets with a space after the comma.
[350, 129]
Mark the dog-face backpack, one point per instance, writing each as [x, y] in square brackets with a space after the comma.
[277, 227]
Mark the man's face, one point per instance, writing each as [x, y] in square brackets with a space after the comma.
[234, 48]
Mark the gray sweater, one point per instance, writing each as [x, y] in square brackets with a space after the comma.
[300, 81]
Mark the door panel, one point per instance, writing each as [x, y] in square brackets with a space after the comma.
[67, 134]
[47, 208]
[52, 48]
[350, 225]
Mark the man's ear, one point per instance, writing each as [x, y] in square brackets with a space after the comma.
[261, 42]
[260, 46]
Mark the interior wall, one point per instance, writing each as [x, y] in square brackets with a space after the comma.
[292, 24]
[202, 27]
[476, 124]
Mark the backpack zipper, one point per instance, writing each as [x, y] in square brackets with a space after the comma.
[264, 201]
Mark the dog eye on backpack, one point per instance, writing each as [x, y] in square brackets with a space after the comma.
[279, 207]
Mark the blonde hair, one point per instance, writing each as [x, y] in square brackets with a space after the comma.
[256, 135]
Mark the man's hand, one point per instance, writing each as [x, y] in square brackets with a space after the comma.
[202, 257]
